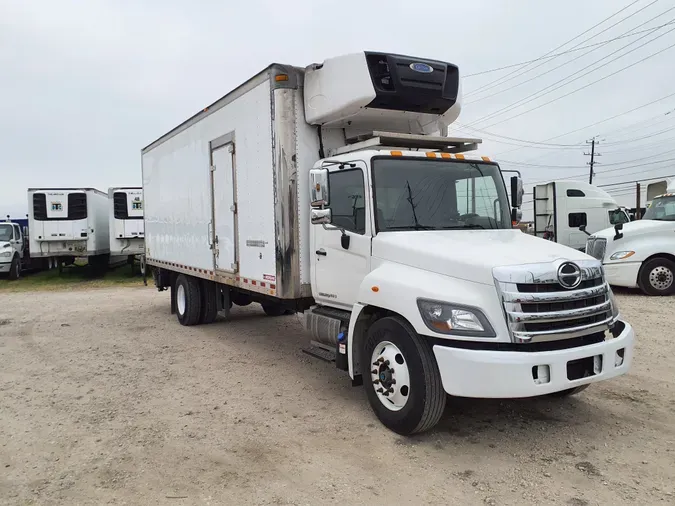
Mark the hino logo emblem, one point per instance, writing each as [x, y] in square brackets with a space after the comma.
[569, 275]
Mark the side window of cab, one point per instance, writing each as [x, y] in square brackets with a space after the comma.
[347, 200]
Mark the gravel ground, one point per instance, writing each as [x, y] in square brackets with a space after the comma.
[106, 399]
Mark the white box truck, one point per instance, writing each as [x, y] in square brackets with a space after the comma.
[125, 214]
[641, 254]
[324, 190]
[567, 212]
[66, 223]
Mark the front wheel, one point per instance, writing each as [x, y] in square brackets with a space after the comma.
[15, 269]
[657, 277]
[404, 386]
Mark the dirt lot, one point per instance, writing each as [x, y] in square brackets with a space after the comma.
[105, 399]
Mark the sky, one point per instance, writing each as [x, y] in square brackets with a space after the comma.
[85, 84]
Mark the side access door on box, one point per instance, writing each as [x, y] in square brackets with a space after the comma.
[223, 226]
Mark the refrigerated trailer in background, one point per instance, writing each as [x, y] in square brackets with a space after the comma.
[66, 223]
[125, 212]
[329, 190]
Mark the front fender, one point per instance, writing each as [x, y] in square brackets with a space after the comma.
[396, 288]
[644, 248]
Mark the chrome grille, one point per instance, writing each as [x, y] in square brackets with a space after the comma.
[596, 246]
[538, 308]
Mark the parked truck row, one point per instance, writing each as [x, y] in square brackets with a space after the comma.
[333, 190]
[66, 223]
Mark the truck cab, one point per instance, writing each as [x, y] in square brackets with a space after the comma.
[641, 254]
[12, 249]
[567, 212]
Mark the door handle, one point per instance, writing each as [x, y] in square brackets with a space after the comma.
[321, 252]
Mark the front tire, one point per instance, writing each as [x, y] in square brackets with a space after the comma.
[657, 277]
[188, 300]
[15, 269]
[403, 383]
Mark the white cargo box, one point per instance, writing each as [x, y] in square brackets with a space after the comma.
[125, 213]
[68, 222]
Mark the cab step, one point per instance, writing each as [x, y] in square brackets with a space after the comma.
[319, 351]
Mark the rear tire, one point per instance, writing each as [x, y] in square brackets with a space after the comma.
[569, 391]
[15, 269]
[415, 364]
[274, 310]
[209, 292]
[657, 277]
[188, 300]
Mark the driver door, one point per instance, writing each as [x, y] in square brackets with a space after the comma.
[338, 271]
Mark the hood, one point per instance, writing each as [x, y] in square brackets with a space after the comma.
[639, 227]
[468, 254]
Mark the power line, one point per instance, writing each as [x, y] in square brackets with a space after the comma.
[515, 104]
[503, 79]
[561, 82]
[587, 85]
[633, 181]
[562, 53]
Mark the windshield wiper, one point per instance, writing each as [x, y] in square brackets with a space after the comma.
[473, 226]
[410, 227]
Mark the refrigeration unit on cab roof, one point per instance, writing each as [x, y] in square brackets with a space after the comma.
[66, 223]
[125, 212]
[332, 190]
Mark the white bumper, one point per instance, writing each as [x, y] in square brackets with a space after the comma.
[622, 274]
[509, 374]
[4, 267]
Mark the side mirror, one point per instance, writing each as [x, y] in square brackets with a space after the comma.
[583, 229]
[516, 192]
[617, 229]
[516, 216]
[318, 191]
[320, 216]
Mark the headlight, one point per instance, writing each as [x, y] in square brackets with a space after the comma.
[6, 254]
[621, 255]
[454, 319]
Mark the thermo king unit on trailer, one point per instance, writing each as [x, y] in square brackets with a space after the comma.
[125, 211]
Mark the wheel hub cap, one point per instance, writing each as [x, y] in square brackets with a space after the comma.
[661, 278]
[390, 376]
[180, 300]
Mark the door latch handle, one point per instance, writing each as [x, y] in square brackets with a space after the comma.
[321, 252]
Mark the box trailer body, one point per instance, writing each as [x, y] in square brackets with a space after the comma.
[125, 214]
[68, 222]
[562, 207]
[332, 190]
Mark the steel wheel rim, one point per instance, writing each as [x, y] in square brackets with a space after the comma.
[661, 278]
[180, 300]
[390, 376]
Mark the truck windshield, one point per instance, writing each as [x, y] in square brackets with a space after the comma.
[5, 232]
[428, 194]
[662, 208]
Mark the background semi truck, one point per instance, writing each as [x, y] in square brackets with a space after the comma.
[328, 190]
[641, 254]
[563, 208]
[66, 223]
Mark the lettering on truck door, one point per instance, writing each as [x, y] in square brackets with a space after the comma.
[223, 236]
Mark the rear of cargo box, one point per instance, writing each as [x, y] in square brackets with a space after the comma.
[221, 195]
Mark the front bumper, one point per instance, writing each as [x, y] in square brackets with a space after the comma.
[511, 374]
[5, 267]
[622, 273]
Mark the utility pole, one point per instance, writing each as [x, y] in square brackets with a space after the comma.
[592, 154]
[638, 214]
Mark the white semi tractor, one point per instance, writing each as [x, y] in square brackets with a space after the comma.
[641, 254]
[328, 190]
[567, 212]
[66, 223]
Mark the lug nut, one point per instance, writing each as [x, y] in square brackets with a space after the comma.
[379, 391]
[381, 359]
[376, 382]
[386, 362]
[393, 382]
[374, 371]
